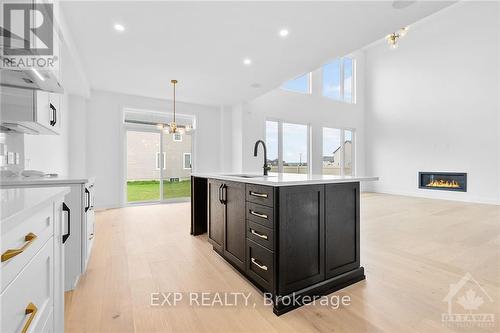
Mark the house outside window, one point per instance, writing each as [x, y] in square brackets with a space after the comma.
[177, 137]
[186, 158]
[338, 151]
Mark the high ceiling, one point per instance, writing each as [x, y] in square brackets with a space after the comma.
[203, 44]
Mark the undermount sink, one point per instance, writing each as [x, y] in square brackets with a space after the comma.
[247, 176]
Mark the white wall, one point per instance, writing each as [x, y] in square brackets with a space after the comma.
[314, 109]
[432, 104]
[105, 140]
[78, 136]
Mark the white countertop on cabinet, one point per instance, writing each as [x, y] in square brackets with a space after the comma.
[26, 200]
[33, 181]
[286, 179]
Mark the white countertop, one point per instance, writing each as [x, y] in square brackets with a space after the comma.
[16, 201]
[33, 181]
[287, 179]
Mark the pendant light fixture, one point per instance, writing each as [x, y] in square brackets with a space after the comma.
[173, 127]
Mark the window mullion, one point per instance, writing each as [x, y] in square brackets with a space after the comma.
[280, 146]
[341, 73]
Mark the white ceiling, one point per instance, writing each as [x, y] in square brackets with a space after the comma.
[202, 44]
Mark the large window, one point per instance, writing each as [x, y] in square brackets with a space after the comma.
[302, 84]
[288, 147]
[339, 80]
[338, 151]
[272, 144]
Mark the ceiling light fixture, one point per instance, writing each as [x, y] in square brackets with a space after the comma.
[172, 126]
[119, 27]
[247, 61]
[393, 38]
[283, 33]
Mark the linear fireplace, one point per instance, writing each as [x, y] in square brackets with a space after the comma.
[447, 181]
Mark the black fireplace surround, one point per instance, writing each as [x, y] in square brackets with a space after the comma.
[445, 181]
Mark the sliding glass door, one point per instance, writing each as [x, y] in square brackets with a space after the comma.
[143, 166]
[176, 173]
[158, 166]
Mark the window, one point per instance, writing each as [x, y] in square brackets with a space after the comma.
[339, 80]
[177, 137]
[348, 150]
[332, 149]
[272, 144]
[158, 162]
[302, 84]
[338, 151]
[288, 147]
[187, 161]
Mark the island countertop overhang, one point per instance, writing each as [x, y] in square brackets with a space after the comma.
[285, 179]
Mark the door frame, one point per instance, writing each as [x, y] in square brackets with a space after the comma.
[145, 128]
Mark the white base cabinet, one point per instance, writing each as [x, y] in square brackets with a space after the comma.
[32, 263]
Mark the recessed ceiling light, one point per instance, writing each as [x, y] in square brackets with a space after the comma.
[283, 32]
[119, 27]
[247, 61]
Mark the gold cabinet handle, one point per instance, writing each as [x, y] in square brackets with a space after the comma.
[260, 195]
[31, 310]
[263, 267]
[11, 253]
[264, 216]
[257, 234]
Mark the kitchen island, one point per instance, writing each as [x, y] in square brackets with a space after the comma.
[294, 236]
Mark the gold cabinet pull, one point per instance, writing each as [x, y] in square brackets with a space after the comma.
[11, 253]
[263, 267]
[31, 310]
[264, 216]
[260, 195]
[257, 234]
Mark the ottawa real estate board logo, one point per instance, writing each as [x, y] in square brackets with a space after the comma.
[465, 300]
[28, 41]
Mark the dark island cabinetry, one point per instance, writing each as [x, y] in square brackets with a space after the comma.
[290, 241]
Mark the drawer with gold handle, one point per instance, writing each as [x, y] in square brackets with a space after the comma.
[22, 240]
[28, 300]
[260, 234]
[31, 310]
[260, 194]
[11, 253]
[260, 265]
[260, 214]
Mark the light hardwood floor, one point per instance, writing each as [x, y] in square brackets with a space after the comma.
[412, 250]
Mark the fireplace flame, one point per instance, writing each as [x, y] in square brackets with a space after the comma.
[444, 183]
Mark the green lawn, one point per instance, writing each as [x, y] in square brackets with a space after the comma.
[150, 190]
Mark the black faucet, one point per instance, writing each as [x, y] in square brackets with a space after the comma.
[265, 167]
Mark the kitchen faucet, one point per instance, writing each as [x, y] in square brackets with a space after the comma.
[265, 167]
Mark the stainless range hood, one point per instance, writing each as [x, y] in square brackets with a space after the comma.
[34, 79]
